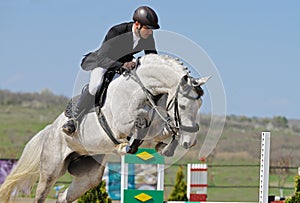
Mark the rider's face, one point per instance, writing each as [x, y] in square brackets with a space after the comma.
[144, 31]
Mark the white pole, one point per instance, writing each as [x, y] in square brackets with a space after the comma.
[160, 176]
[189, 182]
[264, 167]
[124, 177]
[205, 178]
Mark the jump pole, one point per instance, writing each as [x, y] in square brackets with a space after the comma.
[197, 182]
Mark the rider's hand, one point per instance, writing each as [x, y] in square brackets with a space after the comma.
[129, 65]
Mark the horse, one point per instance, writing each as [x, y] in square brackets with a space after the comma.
[129, 109]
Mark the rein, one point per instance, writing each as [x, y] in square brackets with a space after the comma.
[168, 120]
[136, 78]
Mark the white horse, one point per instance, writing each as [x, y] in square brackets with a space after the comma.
[50, 153]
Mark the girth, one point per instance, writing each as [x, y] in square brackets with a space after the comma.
[103, 122]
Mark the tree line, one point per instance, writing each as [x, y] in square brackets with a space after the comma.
[44, 98]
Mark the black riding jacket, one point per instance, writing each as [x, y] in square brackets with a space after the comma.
[117, 48]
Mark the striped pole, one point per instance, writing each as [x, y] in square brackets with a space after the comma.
[197, 182]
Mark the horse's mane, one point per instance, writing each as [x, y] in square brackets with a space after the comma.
[174, 64]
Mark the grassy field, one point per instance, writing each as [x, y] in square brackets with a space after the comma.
[227, 182]
[19, 124]
[239, 145]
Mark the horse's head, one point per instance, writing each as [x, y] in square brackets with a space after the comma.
[168, 75]
[184, 105]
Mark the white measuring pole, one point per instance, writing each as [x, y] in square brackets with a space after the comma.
[264, 167]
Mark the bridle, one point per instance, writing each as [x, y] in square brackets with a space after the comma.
[174, 126]
[174, 102]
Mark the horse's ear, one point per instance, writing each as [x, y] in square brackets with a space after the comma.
[184, 80]
[201, 81]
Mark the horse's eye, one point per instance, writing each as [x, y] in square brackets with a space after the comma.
[182, 106]
[194, 83]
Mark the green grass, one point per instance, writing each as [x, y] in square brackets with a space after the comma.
[19, 124]
[233, 194]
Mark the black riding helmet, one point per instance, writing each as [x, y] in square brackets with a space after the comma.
[146, 16]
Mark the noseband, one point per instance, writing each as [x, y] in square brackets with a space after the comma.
[174, 102]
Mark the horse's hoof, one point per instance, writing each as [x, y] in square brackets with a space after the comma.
[167, 153]
[160, 146]
[132, 150]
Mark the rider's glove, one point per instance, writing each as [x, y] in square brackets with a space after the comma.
[129, 65]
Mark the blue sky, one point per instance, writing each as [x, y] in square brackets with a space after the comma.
[254, 45]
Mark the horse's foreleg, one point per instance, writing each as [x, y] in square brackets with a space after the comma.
[87, 174]
[169, 149]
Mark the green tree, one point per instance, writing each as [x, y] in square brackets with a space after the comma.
[296, 197]
[280, 122]
[179, 190]
[97, 194]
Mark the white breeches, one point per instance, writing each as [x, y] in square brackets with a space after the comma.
[96, 78]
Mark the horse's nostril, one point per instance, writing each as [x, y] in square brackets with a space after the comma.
[186, 145]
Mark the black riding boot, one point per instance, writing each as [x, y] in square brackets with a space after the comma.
[82, 107]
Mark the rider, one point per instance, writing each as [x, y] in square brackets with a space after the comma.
[114, 56]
